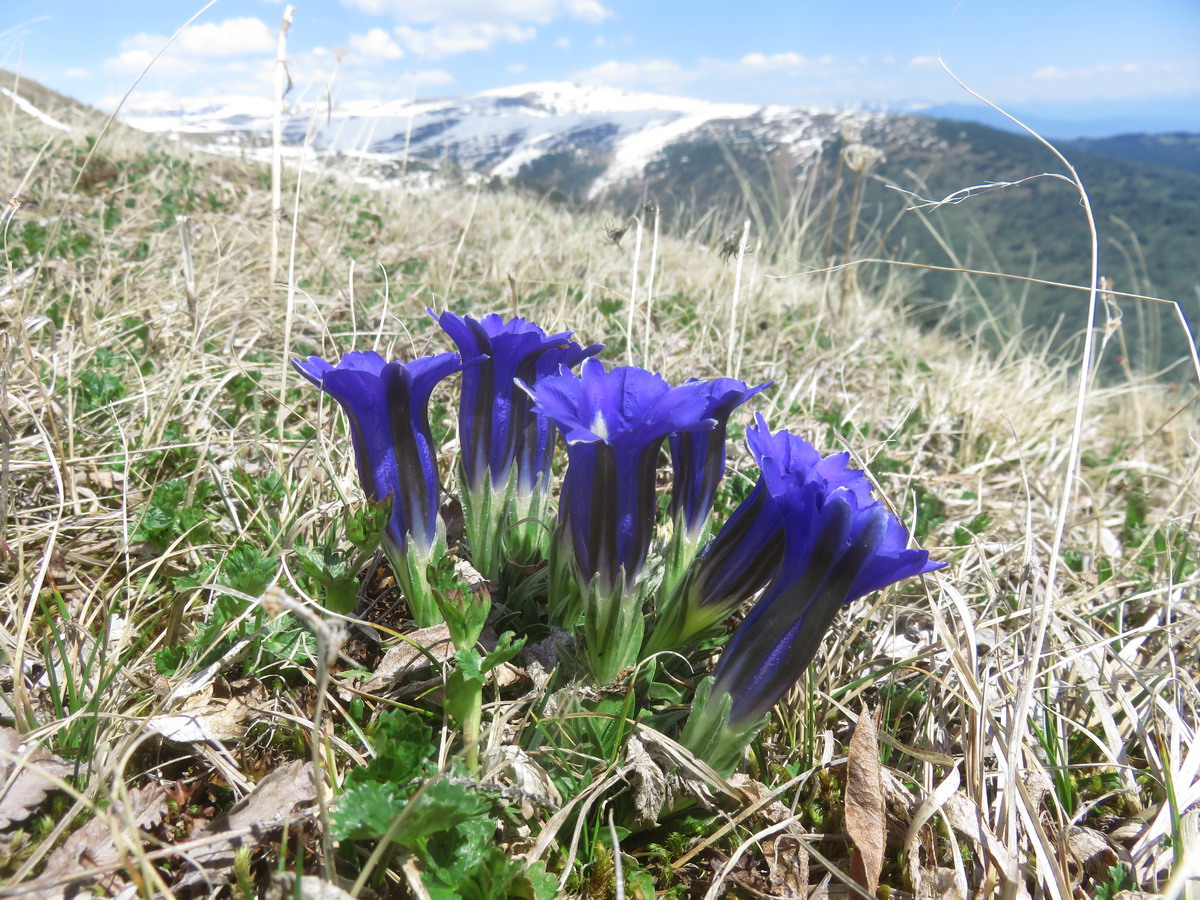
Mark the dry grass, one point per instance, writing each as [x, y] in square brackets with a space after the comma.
[120, 375]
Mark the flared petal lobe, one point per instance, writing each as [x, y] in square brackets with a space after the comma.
[614, 424]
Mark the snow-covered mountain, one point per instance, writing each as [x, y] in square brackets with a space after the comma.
[604, 136]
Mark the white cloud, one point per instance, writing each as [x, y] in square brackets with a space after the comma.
[588, 10]
[375, 44]
[194, 50]
[233, 37]
[774, 61]
[564, 43]
[1050, 73]
[430, 77]
[667, 74]
[923, 62]
[451, 39]
[474, 12]
[78, 73]
[641, 74]
[129, 61]
[516, 68]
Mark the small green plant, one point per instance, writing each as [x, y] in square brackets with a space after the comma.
[177, 510]
[1119, 879]
[446, 821]
[247, 571]
[333, 567]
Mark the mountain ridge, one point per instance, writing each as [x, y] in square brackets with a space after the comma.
[622, 149]
[499, 131]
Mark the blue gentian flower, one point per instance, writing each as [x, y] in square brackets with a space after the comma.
[614, 424]
[505, 448]
[698, 457]
[495, 415]
[386, 405]
[738, 563]
[698, 465]
[831, 543]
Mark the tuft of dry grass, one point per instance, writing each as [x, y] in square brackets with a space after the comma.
[133, 370]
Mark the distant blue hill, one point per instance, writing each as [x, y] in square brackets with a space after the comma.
[1179, 149]
[1091, 120]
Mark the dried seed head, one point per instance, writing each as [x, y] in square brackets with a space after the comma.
[851, 131]
[732, 243]
[862, 157]
[614, 233]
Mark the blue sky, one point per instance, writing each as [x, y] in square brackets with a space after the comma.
[1097, 57]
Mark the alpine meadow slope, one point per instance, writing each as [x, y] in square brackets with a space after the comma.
[777, 165]
[185, 710]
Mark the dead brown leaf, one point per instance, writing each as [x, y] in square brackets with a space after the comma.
[261, 812]
[787, 867]
[965, 817]
[647, 781]
[866, 819]
[1092, 851]
[940, 883]
[785, 856]
[94, 845]
[413, 653]
[285, 886]
[515, 768]
[23, 781]
[205, 717]
[425, 647]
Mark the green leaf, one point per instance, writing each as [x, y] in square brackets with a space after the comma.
[465, 865]
[248, 569]
[440, 806]
[469, 666]
[365, 811]
[287, 639]
[368, 811]
[168, 661]
[324, 564]
[403, 745]
[505, 650]
[461, 849]
[364, 524]
[176, 509]
[333, 573]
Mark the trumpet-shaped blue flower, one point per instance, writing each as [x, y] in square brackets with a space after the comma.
[386, 405]
[497, 427]
[614, 424]
[698, 457]
[741, 560]
[698, 465]
[831, 543]
[505, 448]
